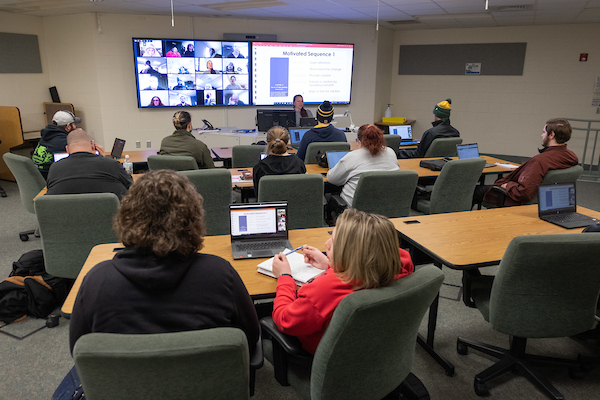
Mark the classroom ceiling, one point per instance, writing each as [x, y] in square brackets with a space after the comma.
[395, 14]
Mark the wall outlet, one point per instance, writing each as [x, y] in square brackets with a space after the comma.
[148, 143]
[138, 144]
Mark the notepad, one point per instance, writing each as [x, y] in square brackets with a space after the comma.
[504, 165]
[301, 271]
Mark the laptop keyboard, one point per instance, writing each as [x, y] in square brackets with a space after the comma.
[573, 217]
[260, 246]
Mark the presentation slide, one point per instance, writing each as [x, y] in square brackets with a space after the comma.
[316, 71]
[249, 222]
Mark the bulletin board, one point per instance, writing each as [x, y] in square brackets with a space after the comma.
[20, 54]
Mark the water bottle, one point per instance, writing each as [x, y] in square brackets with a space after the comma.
[128, 165]
[388, 112]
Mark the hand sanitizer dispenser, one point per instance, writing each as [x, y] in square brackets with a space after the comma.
[388, 112]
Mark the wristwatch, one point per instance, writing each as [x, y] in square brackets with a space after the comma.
[280, 275]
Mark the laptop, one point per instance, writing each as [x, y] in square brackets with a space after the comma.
[557, 203]
[470, 151]
[296, 135]
[258, 230]
[334, 157]
[404, 131]
[59, 156]
[307, 121]
[117, 150]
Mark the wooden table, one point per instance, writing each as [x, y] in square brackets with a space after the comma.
[258, 285]
[471, 239]
[137, 156]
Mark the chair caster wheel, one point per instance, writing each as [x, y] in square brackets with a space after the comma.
[461, 348]
[481, 389]
[24, 238]
[52, 321]
[575, 373]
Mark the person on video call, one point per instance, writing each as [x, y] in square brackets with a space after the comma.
[441, 129]
[150, 51]
[521, 184]
[189, 50]
[234, 100]
[148, 69]
[183, 143]
[212, 53]
[182, 102]
[301, 112]
[84, 171]
[53, 140]
[180, 85]
[233, 85]
[236, 52]
[209, 68]
[173, 52]
[153, 83]
[323, 131]
[156, 102]
[230, 69]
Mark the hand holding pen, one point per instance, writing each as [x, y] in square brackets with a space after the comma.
[281, 264]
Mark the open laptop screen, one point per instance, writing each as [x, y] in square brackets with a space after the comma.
[557, 198]
[296, 134]
[59, 156]
[334, 157]
[255, 221]
[467, 151]
[405, 131]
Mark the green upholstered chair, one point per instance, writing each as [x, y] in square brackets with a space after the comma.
[207, 364]
[314, 147]
[71, 225]
[443, 147]
[176, 163]
[453, 188]
[30, 182]
[302, 192]
[215, 187]
[387, 193]
[380, 324]
[393, 141]
[246, 156]
[546, 287]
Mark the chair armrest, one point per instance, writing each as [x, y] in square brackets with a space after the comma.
[339, 202]
[500, 195]
[257, 357]
[291, 344]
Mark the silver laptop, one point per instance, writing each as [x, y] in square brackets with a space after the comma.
[470, 151]
[296, 135]
[258, 230]
[557, 203]
[334, 157]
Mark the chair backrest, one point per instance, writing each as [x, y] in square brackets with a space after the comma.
[382, 325]
[547, 286]
[388, 193]
[454, 187]
[176, 163]
[70, 225]
[207, 364]
[314, 147]
[215, 187]
[443, 147]
[303, 193]
[29, 179]
[246, 156]
[393, 141]
[565, 175]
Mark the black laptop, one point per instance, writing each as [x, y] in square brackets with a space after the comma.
[557, 203]
[296, 135]
[258, 230]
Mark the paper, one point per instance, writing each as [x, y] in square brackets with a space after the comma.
[301, 271]
[236, 178]
[509, 166]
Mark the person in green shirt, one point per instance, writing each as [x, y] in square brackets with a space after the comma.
[183, 143]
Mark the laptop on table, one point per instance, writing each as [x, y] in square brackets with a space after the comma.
[405, 133]
[258, 230]
[470, 151]
[333, 157]
[296, 135]
[557, 203]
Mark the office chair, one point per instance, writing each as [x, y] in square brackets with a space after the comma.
[546, 287]
[246, 156]
[387, 193]
[176, 163]
[393, 141]
[70, 225]
[443, 147]
[209, 364]
[381, 324]
[314, 147]
[303, 193]
[215, 187]
[453, 188]
[30, 182]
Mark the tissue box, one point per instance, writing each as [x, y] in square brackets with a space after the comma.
[394, 120]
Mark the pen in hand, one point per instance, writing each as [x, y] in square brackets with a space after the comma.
[295, 250]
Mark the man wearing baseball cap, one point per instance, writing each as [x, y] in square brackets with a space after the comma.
[441, 129]
[323, 131]
[54, 140]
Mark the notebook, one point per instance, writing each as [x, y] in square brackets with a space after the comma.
[333, 157]
[404, 131]
[117, 150]
[258, 230]
[59, 156]
[470, 151]
[296, 135]
[301, 271]
[557, 203]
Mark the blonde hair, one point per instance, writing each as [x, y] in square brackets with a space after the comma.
[277, 140]
[366, 250]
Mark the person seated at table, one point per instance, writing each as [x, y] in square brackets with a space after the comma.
[160, 282]
[183, 143]
[84, 171]
[278, 160]
[372, 155]
[362, 253]
[441, 129]
[521, 184]
[323, 131]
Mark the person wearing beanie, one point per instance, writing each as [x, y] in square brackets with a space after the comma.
[323, 131]
[441, 129]
[53, 140]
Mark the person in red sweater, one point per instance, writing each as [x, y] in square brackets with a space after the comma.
[362, 253]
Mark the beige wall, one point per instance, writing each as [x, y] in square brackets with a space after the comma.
[385, 61]
[506, 114]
